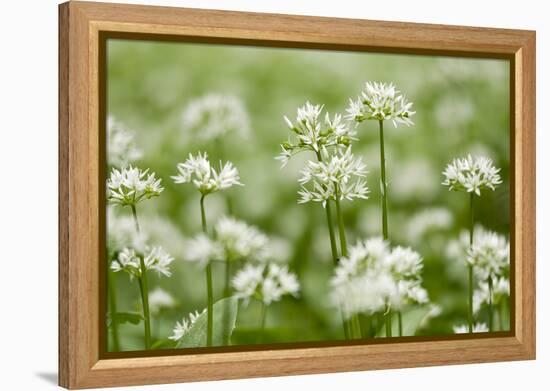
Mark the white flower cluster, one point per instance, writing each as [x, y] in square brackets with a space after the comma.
[154, 258]
[471, 174]
[241, 241]
[314, 134]
[129, 186]
[215, 115]
[490, 255]
[233, 240]
[121, 147]
[374, 278]
[266, 283]
[183, 327]
[205, 178]
[428, 220]
[478, 328]
[381, 101]
[159, 299]
[121, 232]
[337, 177]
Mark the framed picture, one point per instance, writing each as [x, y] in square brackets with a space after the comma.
[247, 195]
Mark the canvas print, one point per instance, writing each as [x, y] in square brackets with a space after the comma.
[278, 196]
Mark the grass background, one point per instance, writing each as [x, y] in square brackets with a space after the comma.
[462, 107]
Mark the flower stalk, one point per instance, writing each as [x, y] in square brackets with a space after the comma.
[471, 270]
[383, 185]
[210, 295]
[143, 288]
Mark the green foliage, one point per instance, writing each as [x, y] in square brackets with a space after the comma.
[196, 336]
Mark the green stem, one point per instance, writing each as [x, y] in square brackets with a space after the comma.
[471, 271]
[263, 318]
[341, 229]
[210, 305]
[490, 307]
[227, 293]
[502, 312]
[334, 250]
[144, 290]
[113, 309]
[388, 323]
[400, 323]
[383, 184]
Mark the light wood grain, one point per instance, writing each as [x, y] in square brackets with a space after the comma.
[80, 365]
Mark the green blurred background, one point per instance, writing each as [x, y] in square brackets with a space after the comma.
[462, 107]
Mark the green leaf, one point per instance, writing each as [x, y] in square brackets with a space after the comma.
[196, 336]
[411, 322]
[163, 344]
[124, 317]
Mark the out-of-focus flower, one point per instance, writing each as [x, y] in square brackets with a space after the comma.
[121, 232]
[314, 134]
[381, 101]
[202, 250]
[338, 176]
[478, 328]
[374, 277]
[183, 327]
[471, 175]
[241, 241]
[129, 186]
[159, 299]
[121, 147]
[198, 171]
[155, 258]
[428, 220]
[216, 115]
[266, 283]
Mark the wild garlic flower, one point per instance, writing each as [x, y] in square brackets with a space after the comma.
[427, 221]
[478, 328]
[121, 147]
[471, 174]
[159, 299]
[183, 327]
[241, 241]
[374, 277]
[381, 101]
[155, 258]
[121, 232]
[202, 250]
[216, 115]
[338, 176]
[490, 255]
[500, 290]
[266, 283]
[129, 186]
[198, 171]
[314, 134]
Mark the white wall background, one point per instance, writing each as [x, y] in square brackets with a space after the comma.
[28, 193]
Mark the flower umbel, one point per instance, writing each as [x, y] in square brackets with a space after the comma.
[471, 174]
[381, 101]
[241, 241]
[129, 186]
[314, 134]
[338, 176]
[207, 179]
[266, 283]
[215, 115]
[155, 258]
[121, 147]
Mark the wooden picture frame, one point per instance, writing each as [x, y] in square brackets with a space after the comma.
[82, 26]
